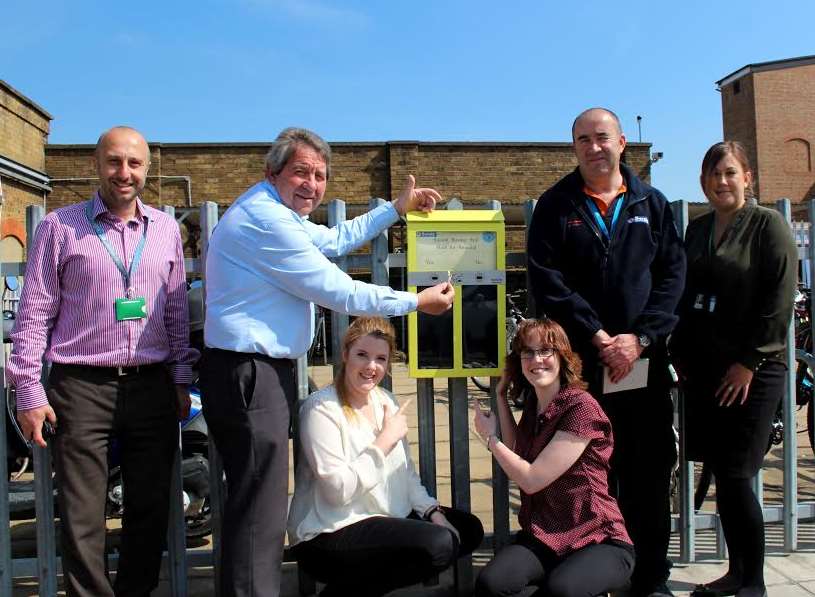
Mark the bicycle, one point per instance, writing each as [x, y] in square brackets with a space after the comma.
[320, 341]
[514, 316]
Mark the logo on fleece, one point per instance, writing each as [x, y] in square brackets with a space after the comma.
[638, 220]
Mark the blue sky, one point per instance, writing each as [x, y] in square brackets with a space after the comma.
[241, 70]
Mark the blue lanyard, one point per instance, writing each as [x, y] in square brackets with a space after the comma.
[127, 274]
[601, 222]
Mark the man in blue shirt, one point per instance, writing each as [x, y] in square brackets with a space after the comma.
[266, 267]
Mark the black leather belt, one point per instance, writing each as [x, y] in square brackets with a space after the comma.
[113, 371]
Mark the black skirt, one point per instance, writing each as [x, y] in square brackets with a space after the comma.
[732, 439]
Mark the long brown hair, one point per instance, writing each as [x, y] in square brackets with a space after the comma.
[716, 153]
[379, 328]
[550, 335]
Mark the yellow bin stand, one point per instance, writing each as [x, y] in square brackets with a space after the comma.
[467, 248]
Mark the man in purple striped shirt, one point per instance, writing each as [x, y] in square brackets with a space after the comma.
[104, 301]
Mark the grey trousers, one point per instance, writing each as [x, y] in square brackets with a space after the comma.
[94, 408]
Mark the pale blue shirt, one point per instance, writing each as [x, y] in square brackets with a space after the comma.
[266, 266]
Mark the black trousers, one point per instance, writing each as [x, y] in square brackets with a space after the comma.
[246, 399]
[139, 411]
[376, 555]
[644, 455]
[731, 440]
[527, 567]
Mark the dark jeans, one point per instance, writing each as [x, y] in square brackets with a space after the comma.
[644, 455]
[139, 411]
[376, 555]
[246, 401]
[528, 568]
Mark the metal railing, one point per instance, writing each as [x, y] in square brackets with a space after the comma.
[379, 262]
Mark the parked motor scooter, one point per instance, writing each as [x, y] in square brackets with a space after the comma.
[194, 450]
[194, 474]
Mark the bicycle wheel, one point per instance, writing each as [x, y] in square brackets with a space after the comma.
[811, 425]
[804, 395]
[482, 384]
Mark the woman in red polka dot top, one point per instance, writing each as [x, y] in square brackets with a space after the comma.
[572, 540]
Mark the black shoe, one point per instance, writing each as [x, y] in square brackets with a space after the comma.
[721, 587]
[753, 591]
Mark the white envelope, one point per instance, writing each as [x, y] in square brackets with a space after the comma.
[638, 378]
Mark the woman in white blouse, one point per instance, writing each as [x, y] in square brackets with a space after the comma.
[360, 521]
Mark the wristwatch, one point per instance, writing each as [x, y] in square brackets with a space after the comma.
[430, 511]
[644, 341]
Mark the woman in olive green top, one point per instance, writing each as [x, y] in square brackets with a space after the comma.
[729, 346]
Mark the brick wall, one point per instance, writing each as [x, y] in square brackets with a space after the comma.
[220, 172]
[739, 118]
[16, 197]
[785, 117]
[23, 129]
[773, 115]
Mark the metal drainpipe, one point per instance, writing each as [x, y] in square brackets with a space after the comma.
[185, 178]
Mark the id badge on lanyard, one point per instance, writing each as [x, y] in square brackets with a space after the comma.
[127, 307]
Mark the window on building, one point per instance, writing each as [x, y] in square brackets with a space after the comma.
[797, 156]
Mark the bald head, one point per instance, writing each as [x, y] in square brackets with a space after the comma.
[593, 112]
[122, 159]
[599, 144]
[121, 132]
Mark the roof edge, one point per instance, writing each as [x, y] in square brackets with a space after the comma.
[265, 144]
[765, 66]
[26, 100]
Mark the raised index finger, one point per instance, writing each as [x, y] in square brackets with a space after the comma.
[405, 404]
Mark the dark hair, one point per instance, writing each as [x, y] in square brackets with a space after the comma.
[606, 110]
[379, 328]
[550, 335]
[719, 151]
[287, 143]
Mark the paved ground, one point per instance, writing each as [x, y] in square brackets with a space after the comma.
[787, 575]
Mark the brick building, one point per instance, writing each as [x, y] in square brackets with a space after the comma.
[24, 128]
[186, 174]
[770, 108]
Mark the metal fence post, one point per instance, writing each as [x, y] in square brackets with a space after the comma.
[427, 434]
[176, 535]
[380, 271]
[687, 519]
[43, 482]
[209, 218]
[790, 498]
[529, 210]
[6, 572]
[306, 583]
[339, 321]
[457, 402]
[500, 482]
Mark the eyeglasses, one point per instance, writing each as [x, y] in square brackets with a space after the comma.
[528, 354]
